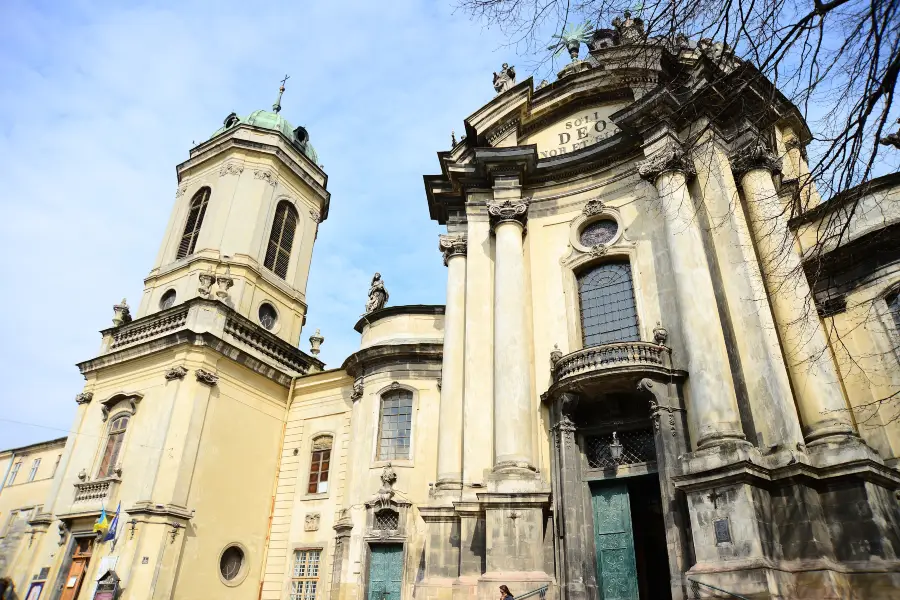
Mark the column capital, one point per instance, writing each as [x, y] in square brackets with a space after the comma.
[754, 156]
[669, 158]
[452, 245]
[501, 211]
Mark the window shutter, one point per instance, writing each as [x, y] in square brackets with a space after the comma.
[194, 222]
[281, 239]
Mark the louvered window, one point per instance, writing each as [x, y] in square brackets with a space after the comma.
[608, 310]
[278, 254]
[194, 221]
[113, 446]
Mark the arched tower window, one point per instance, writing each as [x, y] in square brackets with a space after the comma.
[194, 221]
[281, 239]
[608, 310]
[395, 426]
[319, 465]
[113, 445]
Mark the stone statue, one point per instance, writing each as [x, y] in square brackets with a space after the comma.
[505, 79]
[378, 295]
[630, 30]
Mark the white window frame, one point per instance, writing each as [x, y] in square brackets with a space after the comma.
[300, 583]
[14, 472]
[35, 465]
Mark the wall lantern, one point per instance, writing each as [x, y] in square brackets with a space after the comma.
[615, 448]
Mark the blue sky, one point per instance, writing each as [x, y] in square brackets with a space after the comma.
[100, 100]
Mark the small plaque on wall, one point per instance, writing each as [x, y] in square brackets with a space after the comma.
[723, 533]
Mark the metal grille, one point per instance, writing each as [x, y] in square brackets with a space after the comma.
[637, 447]
[608, 311]
[281, 239]
[598, 232]
[305, 577]
[194, 221]
[396, 425]
[387, 520]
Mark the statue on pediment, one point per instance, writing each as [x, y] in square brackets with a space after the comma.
[505, 79]
[630, 29]
[378, 295]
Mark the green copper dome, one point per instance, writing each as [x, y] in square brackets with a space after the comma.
[274, 121]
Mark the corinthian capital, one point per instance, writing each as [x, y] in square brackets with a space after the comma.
[508, 210]
[669, 158]
[754, 156]
[452, 245]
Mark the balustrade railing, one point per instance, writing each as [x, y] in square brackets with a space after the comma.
[93, 490]
[612, 356]
[137, 332]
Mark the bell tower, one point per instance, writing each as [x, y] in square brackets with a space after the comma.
[247, 210]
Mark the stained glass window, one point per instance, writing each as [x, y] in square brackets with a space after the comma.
[598, 233]
[608, 310]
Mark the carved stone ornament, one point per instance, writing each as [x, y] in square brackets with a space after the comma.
[204, 376]
[555, 355]
[452, 245]
[82, 475]
[657, 408]
[386, 493]
[121, 314]
[508, 210]
[670, 158]
[223, 284]
[267, 176]
[315, 216]
[63, 532]
[176, 373]
[598, 250]
[84, 397]
[564, 432]
[630, 30]
[593, 207]
[206, 282]
[311, 522]
[231, 169]
[505, 79]
[180, 191]
[357, 392]
[755, 156]
[660, 334]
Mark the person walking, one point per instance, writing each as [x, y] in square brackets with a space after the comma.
[505, 594]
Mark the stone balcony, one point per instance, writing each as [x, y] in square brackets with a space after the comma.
[611, 366]
[92, 496]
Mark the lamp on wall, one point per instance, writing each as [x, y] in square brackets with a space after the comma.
[615, 448]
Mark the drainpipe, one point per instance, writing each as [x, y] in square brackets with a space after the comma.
[265, 557]
[12, 459]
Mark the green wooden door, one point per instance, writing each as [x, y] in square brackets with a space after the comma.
[385, 571]
[616, 570]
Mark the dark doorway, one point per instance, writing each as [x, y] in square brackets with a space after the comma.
[650, 549]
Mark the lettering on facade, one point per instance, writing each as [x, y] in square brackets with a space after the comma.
[723, 533]
[585, 128]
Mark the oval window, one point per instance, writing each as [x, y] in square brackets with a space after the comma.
[231, 563]
[598, 233]
[167, 300]
[267, 315]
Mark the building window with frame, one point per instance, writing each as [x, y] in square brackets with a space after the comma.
[56, 466]
[34, 469]
[319, 465]
[893, 304]
[305, 574]
[395, 425]
[13, 473]
[281, 239]
[608, 308]
[196, 212]
[113, 445]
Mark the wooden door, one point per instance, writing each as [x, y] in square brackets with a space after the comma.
[385, 571]
[614, 541]
[81, 557]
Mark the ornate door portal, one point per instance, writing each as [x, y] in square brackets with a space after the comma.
[386, 571]
[614, 541]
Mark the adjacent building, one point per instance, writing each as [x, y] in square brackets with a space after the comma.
[650, 379]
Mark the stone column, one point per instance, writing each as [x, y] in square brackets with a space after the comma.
[450, 431]
[755, 337]
[713, 409]
[811, 367]
[512, 372]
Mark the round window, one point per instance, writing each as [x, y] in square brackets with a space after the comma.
[231, 563]
[167, 300]
[598, 233]
[267, 315]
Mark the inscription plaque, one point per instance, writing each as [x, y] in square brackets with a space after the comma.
[723, 533]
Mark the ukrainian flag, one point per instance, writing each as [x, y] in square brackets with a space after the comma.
[102, 523]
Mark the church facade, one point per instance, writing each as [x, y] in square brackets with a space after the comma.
[650, 379]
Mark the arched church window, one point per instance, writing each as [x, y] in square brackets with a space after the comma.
[395, 426]
[113, 445]
[194, 221]
[319, 465]
[608, 310]
[281, 239]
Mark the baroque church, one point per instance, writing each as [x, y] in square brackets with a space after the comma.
[621, 398]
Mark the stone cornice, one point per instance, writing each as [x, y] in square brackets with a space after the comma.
[402, 356]
[392, 311]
